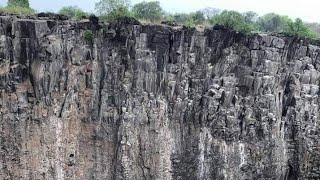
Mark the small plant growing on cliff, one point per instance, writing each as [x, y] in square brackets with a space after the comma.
[88, 36]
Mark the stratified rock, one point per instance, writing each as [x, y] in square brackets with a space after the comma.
[155, 102]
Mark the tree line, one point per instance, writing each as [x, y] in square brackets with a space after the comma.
[152, 12]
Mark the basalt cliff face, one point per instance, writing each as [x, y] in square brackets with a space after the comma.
[155, 102]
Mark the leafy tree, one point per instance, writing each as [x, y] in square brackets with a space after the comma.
[118, 13]
[298, 28]
[314, 27]
[148, 10]
[250, 16]
[189, 19]
[198, 17]
[233, 20]
[209, 12]
[20, 7]
[19, 3]
[17, 10]
[168, 17]
[73, 11]
[272, 22]
[189, 23]
[113, 9]
[182, 18]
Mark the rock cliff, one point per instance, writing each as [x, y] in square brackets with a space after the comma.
[155, 102]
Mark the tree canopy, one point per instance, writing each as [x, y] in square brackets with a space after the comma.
[209, 12]
[250, 17]
[107, 7]
[148, 10]
[198, 17]
[233, 20]
[19, 3]
[272, 23]
[298, 28]
[72, 11]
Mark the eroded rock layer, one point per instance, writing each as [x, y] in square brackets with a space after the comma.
[155, 102]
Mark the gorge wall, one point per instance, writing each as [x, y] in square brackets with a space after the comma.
[155, 102]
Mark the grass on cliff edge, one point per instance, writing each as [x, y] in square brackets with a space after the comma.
[17, 10]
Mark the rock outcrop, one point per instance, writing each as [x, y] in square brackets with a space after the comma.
[155, 102]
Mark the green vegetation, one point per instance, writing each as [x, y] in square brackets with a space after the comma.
[250, 17]
[189, 23]
[17, 10]
[209, 12]
[314, 27]
[189, 20]
[73, 12]
[19, 3]
[88, 36]
[151, 11]
[272, 23]
[198, 17]
[298, 28]
[181, 18]
[233, 20]
[113, 9]
[20, 7]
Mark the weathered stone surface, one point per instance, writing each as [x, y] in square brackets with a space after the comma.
[155, 102]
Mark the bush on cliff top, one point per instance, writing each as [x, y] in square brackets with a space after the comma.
[17, 10]
[113, 9]
[73, 12]
[151, 11]
[298, 28]
[20, 7]
[233, 20]
[19, 3]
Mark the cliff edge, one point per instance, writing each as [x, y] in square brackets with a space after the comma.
[155, 102]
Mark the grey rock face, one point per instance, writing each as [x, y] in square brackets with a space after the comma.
[155, 102]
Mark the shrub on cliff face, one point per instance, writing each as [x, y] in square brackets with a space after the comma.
[88, 36]
[233, 20]
[73, 12]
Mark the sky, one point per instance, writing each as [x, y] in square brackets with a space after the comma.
[307, 10]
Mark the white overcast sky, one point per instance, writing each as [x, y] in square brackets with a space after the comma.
[308, 10]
